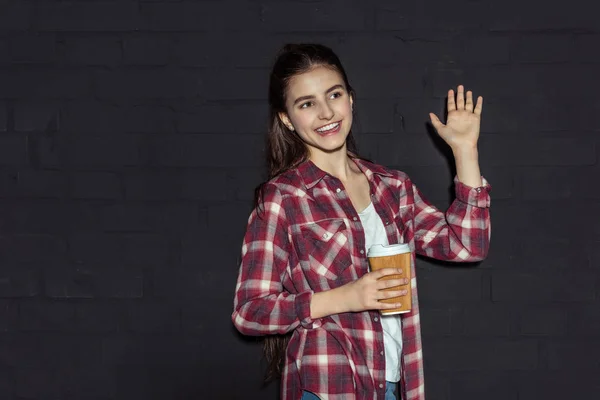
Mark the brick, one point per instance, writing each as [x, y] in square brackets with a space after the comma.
[36, 116]
[196, 283]
[251, 118]
[31, 248]
[483, 320]
[147, 84]
[147, 50]
[532, 17]
[560, 151]
[207, 186]
[246, 181]
[583, 320]
[97, 249]
[154, 317]
[87, 17]
[436, 321]
[551, 254]
[150, 119]
[483, 355]
[31, 83]
[224, 84]
[200, 16]
[448, 284]
[252, 49]
[76, 117]
[154, 185]
[404, 149]
[19, 281]
[105, 151]
[206, 151]
[98, 317]
[4, 53]
[133, 217]
[228, 221]
[325, 16]
[30, 217]
[529, 288]
[373, 116]
[50, 351]
[546, 183]
[423, 16]
[95, 185]
[3, 113]
[203, 318]
[146, 250]
[37, 183]
[386, 83]
[505, 81]
[92, 50]
[13, 150]
[9, 313]
[579, 355]
[412, 115]
[576, 384]
[484, 385]
[37, 316]
[583, 48]
[542, 49]
[88, 282]
[32, 48]
[16, 16]
[542, 321]
[484, 50]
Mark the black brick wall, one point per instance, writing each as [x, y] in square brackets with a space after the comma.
[130, 144]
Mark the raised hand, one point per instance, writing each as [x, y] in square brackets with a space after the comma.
[461, 130]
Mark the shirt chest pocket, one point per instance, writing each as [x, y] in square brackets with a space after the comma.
[324, 249]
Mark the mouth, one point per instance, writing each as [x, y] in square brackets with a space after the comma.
[329, 129]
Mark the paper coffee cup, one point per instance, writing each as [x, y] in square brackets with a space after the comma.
[393, 256]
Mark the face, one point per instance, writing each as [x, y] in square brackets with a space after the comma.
[319, 108]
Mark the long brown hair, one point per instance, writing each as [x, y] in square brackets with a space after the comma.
[286, 150]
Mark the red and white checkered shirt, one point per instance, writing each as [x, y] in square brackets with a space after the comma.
[309, 238]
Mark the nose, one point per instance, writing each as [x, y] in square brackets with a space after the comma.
[326, 112]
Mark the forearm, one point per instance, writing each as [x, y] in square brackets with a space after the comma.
[327, 303]
[467, 166]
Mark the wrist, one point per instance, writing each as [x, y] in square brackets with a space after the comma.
[466, 153]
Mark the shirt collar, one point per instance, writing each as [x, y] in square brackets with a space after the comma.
[311, 174]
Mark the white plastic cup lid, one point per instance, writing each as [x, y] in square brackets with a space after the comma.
[380, 250]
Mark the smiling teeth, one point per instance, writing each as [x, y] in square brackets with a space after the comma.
[328, 127]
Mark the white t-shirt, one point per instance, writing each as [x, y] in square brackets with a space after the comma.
[392, 324]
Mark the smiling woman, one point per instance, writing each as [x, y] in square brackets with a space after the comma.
[304, 279]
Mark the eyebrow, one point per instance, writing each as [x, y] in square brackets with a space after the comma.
[331, 89]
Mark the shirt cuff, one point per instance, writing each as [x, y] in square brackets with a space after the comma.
[302, 304]
[478, 197]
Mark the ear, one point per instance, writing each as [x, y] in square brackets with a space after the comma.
[283, 117]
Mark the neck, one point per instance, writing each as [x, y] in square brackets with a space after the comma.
[337, 164]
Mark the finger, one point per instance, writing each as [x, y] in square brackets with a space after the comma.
[390, 283]
[388, 306]
[451, 102]
[460, 98]
[469, 102]
[390, 294]
[435, 121]
[387, 271]
[479, 106]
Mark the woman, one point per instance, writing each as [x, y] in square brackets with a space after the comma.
[304, 271]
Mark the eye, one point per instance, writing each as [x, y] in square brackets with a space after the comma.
[306, 105]
[335, 95]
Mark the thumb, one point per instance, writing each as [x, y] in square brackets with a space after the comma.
[435, 121]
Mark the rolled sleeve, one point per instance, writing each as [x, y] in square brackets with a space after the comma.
[302, 304]
[474, 196]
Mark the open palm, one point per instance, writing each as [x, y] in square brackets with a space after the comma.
[462, 125]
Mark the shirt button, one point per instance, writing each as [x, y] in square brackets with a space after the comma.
[387, 222]
[338, 190]
[381, 353]
[362, 251]
[354, 219]
[375, 319]
[381, 385]
[324, 236]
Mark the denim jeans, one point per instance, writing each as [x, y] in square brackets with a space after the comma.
[390, 393]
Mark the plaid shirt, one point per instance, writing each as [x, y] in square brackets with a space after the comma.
[309, 238]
